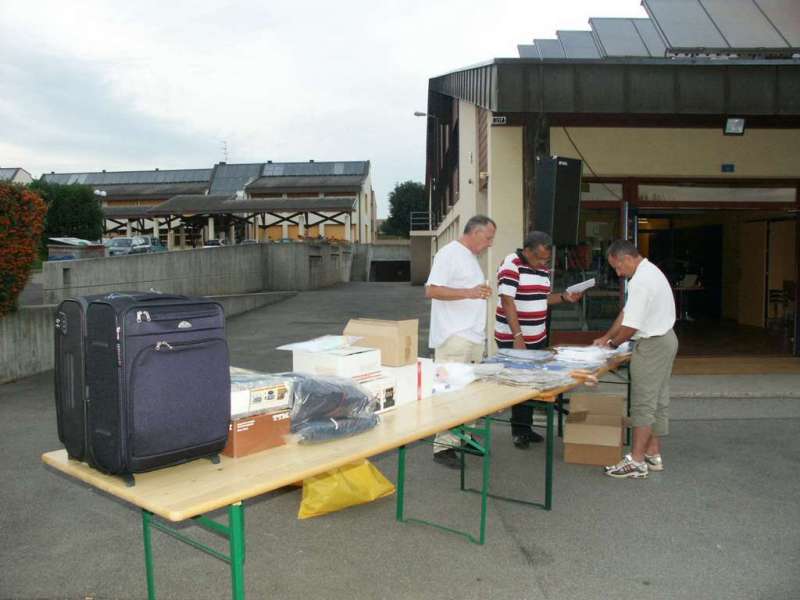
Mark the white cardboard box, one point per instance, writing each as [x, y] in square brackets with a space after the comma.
[350, 361]
[253, 392]
[384, 390]
[414, 382]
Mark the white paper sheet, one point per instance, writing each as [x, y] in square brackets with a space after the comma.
[581, 287]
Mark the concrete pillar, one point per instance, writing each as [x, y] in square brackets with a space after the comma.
[348, 227]
[301, 227]
[231, 234]
[284, 230]
[210, 229]
[321, 227]
[156, 228]
[128, 228]
[170, 239]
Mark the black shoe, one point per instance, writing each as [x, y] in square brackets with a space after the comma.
[448, 458]
[521, 441]
[535, 438]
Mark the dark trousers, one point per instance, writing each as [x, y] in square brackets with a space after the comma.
[522, 414]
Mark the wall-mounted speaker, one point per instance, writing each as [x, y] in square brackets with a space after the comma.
[557, 198]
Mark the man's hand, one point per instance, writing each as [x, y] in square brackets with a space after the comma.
[572, 297]
[601, 341]
[519, 343]
[480, 292]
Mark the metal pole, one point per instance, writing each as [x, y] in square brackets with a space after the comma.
[401, 482]
[548, 475]
[236, 526]
[148, 555]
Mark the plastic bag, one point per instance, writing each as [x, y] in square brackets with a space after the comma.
[322, 431]
[357, 483]
[452, 376]
[316, 398]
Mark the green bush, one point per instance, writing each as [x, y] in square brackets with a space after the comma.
[72, 211]
[22, 214]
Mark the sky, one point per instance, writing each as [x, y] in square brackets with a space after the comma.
[88, 85]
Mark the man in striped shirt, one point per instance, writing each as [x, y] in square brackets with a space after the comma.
[523, 295]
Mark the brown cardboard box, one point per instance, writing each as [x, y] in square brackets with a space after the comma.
[594, 429]
[256, 433]
[397, 340]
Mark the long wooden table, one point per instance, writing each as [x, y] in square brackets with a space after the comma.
[191, 490]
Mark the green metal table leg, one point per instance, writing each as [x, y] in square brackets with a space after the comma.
[401, 482]
[560, 401]
[236, 525]
[487, 444]
[148, 554]
[548, 476]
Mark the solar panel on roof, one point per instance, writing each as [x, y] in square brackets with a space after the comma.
[742, 24]
[578, 44]
[650, 36]
[684, 24]
[784, 15]
[550, 48]
[618, 37]
[527, 51]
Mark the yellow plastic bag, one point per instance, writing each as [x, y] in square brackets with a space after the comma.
[357, 483]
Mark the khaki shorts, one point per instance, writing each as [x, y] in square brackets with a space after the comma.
[650, 370]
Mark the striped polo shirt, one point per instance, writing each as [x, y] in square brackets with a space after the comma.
[529, 287]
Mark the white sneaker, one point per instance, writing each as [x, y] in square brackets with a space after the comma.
[654, 462]
[627, 469]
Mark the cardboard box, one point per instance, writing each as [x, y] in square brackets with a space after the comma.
[397, 340]
[594, 430]
[414, 382]
[354, 362]
[256, 433]
[384, 390]
[253, 392]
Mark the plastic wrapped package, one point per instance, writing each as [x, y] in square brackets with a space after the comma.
[449, 377]
[324, 408]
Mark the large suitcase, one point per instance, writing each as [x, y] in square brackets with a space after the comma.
[70, 371]
[158, 381]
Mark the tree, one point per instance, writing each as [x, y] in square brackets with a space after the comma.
[21, 223]
[73, 211]
[405, 198]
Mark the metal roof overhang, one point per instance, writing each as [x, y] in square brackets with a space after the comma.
[307, 184]
[313, 204]
[666, 90]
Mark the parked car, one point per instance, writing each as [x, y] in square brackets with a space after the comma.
[154, 244]
[248, 242]
[212, 243]
[119, 246]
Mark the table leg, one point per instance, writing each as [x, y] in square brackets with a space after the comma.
[548, 475]
[236, 525]
[487, 444]
[401, 482]
[560, 401]
[148, 554]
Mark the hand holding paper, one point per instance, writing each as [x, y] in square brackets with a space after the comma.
[581, 287]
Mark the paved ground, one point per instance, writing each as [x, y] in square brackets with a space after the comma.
[722, 522]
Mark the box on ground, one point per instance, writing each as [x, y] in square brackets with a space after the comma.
[354, 362]
[594, 429]
[253, 392]
[397, 340]
[414, 382]
[256, 433]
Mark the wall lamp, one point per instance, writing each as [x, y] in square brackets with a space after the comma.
[424, 114]
[734, 126]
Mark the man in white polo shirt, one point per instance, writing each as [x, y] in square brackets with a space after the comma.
[647, 318]
[458, 292]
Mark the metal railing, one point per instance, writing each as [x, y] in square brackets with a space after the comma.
[421, 221]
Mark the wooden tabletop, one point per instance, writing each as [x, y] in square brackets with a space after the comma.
[198, 487]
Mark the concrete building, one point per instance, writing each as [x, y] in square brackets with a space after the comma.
[233, 202]
[689, 148]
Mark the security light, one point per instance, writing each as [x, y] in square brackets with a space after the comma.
[734, 126]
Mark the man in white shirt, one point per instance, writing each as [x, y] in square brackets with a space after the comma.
[647, 318]
[458, 291]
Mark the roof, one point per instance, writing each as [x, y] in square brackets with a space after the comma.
[327, 183]
[153, 190]
[192, 204]
[316, 169]
[718, 28]
[227, 179]
[131, 177]
[10, 173]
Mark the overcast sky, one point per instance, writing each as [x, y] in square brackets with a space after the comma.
[91, 85]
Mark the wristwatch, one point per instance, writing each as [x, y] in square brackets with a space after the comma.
[612, 344]
[518, 334]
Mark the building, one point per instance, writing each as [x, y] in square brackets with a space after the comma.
[15, 175]
[688, 128]
[233, 202]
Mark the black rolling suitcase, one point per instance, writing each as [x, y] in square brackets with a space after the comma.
[70, 371]
[158, 381]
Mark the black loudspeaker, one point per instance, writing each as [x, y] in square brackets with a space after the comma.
[557, 198]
